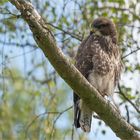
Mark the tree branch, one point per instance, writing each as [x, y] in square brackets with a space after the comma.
[127, 99]
[134, 51]
[71, 75]
[79, 38]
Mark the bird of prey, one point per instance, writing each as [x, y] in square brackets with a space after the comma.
[99, 60]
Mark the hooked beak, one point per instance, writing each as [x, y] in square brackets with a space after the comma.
[95, 31]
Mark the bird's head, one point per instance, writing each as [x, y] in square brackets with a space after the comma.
[104, 27]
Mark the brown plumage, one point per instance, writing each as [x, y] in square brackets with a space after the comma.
[98, 59]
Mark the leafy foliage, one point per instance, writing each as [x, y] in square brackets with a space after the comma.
[3, 1]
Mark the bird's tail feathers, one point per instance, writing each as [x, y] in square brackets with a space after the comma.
[82, 114]
[77, 113]
[85, 117]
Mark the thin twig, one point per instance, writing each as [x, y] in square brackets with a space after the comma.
[66, 32]
[13, 57]
[52, 131]
[38, 116]
[72, 133]
[126, 98]
[127, 113]
[131, 53]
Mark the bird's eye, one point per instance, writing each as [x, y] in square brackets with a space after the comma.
[100, 26]
[103, 25]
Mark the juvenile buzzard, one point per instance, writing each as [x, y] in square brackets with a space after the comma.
[98, 59]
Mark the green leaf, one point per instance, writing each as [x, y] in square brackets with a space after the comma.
[11, 25]
[3, 1]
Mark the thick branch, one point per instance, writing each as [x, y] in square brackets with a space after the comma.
[71, 75]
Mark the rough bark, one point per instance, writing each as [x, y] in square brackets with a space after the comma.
[71, 75]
